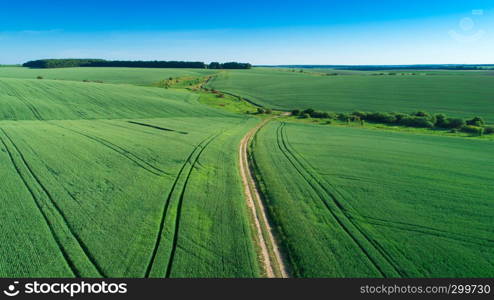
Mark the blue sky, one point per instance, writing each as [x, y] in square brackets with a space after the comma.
[260, 32]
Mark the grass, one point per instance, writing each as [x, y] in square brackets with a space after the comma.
[107, 180]
[352, 202]
[128, 173]
[75, 182]
[464, 95]
[226, 102]
[387, 127]
[136, 76]
[61, 100]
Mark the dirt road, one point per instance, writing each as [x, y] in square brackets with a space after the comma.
[270, 254]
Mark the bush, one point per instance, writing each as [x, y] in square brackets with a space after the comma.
[421, 113]
[361, 114]
[455, 123]
[381, 117]
[441, 121]
[333, 115]
[489, 129]
[343, 116]
[320, 115]
[414, 121]
[449, 123]
[473, 129]
[400, 116]
[39, 77]
[269, 111]
[477, 121]
[261, 110]
[295, 112]
[425, 115]
[419, 119]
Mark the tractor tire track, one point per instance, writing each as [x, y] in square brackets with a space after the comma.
[123, 152]
[26, 102]
[179, 207]
[300, 169]
[36, 201]
[340, 207]
[59, 211]
[166, 207]
[428, 230]
[378, 247]
[69, 193]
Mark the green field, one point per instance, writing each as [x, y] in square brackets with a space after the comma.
[102, 180]
[464, 95]
[58, 100]
[119, 172]
[138, 76]
[351, 202]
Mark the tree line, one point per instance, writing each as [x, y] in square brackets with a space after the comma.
[229, 65]
[72, 63]
[420, 119]
[393, 67]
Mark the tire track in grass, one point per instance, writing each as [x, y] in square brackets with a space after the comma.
[59, 211]
[166, 207]
[428, 230]
[26, 102]
[179, 208]
[339, 206]
[165, 211]
[122, 151]
[50, 170]
[312, 173]
[321, 195]
[402, 226]
[60, 246]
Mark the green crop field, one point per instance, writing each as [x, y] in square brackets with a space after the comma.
[463, 95]
[351, 202]
[50, 99]
[102, 180]
[272, 140]
[124, 172]
[138, 76]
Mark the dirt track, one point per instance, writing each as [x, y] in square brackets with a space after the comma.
[270, 254]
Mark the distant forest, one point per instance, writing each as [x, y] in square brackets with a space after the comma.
[229, 65]
[392, 67]
[71, 63]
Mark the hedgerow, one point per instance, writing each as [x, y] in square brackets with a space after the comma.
[418, 119]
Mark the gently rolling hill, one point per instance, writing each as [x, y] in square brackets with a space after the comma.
[23, 99]
[102, 180]
[137, 76]
[455, 95]
[352, 202]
